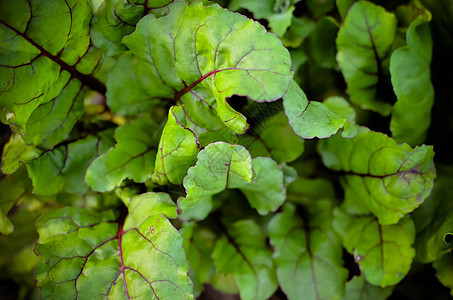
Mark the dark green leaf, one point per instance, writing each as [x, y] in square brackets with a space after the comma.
[444, 271]
[357, 289]
[242, 252]
[308, 253]
[383, 252]
[363, 43]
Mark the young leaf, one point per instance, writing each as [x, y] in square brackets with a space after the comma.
[383, 252]
[242, 252]
[307, 253]
[195, 49]
[220, 166]
[309, 119]
[363, 42]
[94, 255]
[357, 289]
[388, 179]
[15, 152]
[411, 80]
[178, 149]
[51, 42]
[267, 192]
[132, 157]
[63, 168]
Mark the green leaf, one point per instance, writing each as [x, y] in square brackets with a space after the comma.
[132, 157]
[434, 220]
[280, 22]
[309, 119]
[411, 80]
[307, 253]
[242, 252]
[383, 252]
[261, 9]
[46, 61]
[219, 166]
[116, 18]
[194, 51]
[357, 289]
[199, 242]
[64, 167]
[178, 149]
[322, 43]
[380, 176]
[306, 190]
[15, 152]
[363, 43]
[444, 271]
[267, 191]
[6, 227]
[93, 255]
[343, 7]
[273, 137]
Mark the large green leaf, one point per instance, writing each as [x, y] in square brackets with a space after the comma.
[434, 220]
[132, 157]
[207, 54]
[383, 252]
[411, 79]
[308, 253]
[363, 43]
[242, 252]
[178, 149]
[64, 167]
[310, 119]
[380, 176]
[94, 255]
[46, 61]
[357, 289]
[220, 166]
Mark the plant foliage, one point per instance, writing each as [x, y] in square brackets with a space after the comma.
[269, 149]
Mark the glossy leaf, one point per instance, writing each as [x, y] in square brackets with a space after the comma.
[242, 252]
[380, 176]
[46, 60]
[64, 168]
[209, 63]
[309, 119]
[88, 254]
[411, 80]
[307, 253]
[132, 157]
[322, 43]
[363, 43]
[434, 220]
[219, 166]
[178, 149]
[357, 288]
[267, 191]
[383, 252]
